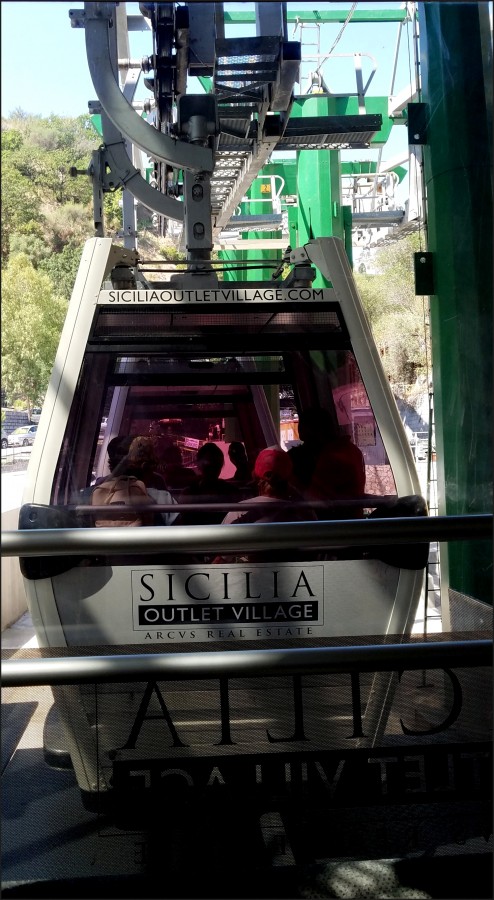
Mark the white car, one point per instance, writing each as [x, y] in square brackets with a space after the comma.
[23, 436]
[5, 441]
[35, 415]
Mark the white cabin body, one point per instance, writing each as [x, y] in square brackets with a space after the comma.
[190, 366]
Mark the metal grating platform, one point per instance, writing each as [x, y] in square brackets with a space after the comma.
[330, 132]
[246, 142]
[382, 218]
[238, 160]
[246, 74]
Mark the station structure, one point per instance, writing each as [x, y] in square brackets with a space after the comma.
[259, 102]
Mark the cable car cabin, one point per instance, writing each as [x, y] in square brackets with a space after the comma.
[180, 369]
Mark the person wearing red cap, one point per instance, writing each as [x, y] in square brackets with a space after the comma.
[273, 472]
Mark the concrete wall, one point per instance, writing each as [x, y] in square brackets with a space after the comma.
[14, 602]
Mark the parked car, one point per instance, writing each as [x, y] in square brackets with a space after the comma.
[23, 436]
[5, 442]
[35, 414]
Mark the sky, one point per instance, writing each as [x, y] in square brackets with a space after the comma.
[44, 65]
[43, 59]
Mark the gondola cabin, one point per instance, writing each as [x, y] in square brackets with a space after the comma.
[179, 368]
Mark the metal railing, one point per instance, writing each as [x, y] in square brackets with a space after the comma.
[246, 663]
[267, 536]
[12, 454]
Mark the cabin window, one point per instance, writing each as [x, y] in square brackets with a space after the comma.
[189, 396]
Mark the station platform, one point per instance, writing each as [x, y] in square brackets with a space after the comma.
[53, 847]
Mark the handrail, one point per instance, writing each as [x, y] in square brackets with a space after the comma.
[218, 538]
[242, 506]
[246, 663]
[366, 502]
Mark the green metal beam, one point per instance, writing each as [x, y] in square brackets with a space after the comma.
[318, 185]
[457, 169]
[96, 123]
[323, 17]
[206, 83]
[259, 191]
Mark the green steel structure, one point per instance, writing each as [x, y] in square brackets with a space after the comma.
[315, 178]
[457, 78]
[322, 17]
[259, 193]
[456, 73]
[456, 67]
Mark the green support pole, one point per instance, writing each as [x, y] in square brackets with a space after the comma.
[347, 225]
[457, 168]
[258, 192]
[293, 227]
[233, 256]
[286, 168]
[319, 187]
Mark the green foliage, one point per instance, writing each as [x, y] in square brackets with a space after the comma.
[397, 316]
[62, 269]
[112, 211]
[31, 245]
[171, 253]
[70, 223]
[11, 141]
[46, 219]
[32, 318]
[20, 203]
[48, 148]
[37, 155]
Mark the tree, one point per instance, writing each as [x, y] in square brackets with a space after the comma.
[20, 198]
[32, 245]
[68, 223]
[62, 269]
[112, 210]
[49, 149]
[32, 319]
[397, 316]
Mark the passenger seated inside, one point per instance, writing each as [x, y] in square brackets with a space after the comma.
[142, 462]
[126, 486]
[177, 476]
[273, 473]
[328, 466]
[238, 456]
[208, 487]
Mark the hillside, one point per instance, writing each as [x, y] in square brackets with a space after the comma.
[47, 216]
